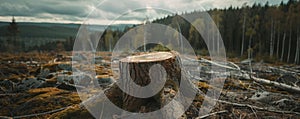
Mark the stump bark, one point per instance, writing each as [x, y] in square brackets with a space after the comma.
[138, 69]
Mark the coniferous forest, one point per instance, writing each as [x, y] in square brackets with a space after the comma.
[272, 29]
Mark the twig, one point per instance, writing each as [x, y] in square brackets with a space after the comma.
[211, 114]
[9, 94]
[254, 113]
[2, 73]
[256, 107]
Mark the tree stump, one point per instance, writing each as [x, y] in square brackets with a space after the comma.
[161, 70]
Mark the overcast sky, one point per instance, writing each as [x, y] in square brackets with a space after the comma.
[107, 11]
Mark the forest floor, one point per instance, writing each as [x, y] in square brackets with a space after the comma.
[29, 91]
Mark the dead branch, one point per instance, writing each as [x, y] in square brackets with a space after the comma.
[9, 94]
[5, 117]
[235, 65]
[256, 107]
[282, 70]
[220, 65]
[211, 114]
[286, 87]
[202, 60]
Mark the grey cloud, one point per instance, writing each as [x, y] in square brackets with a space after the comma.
[11, 8]
[118, 6]
[78, 8]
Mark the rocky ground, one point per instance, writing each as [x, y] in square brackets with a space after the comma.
[41, 85]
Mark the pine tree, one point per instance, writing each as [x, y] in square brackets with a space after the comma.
[13, 32]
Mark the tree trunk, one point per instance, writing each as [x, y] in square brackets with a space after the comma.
[145, 37]
[218, 38]
[110, 44]
[250, 54]
[243, 38]
[297, 48]
[278, 41]
[298, 58]
[274, 38]
[209, 40]
[213, 39]
[180, 37]
[271, 40]
[296, 52]
[147, 69]
[290, 43]
[282, 48]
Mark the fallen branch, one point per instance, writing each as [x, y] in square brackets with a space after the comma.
[220, 65]
[211, 114]
[5, 117]
[282, 70]
[256, 107]
[286, 87]
[9, 94]
[236, 67]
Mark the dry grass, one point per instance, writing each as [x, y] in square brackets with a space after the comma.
[37, 101]
[73, 112]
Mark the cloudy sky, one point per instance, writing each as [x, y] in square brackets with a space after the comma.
[107, 11]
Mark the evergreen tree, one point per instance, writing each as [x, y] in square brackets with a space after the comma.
[13, 32]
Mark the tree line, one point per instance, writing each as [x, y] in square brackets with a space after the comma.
[13, 43]
[268, 32]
